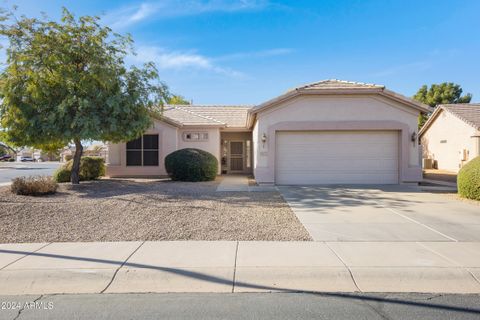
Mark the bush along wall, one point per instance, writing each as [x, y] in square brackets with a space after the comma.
[191, 165]
[468, 180]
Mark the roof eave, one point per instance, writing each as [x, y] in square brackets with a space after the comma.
[168, 120]
[430, 120]
[339, 91]
[204, 125]
[401, 98]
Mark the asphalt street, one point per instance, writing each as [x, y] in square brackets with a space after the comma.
[10, 170]
[276, 306]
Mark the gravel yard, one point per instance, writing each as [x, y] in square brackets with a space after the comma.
[114, 210]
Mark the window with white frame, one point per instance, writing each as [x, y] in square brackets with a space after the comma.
[195, 136]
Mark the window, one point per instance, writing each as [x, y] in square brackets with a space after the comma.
[143, 151]
[195, 136]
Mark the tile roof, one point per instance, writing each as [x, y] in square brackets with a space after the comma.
[209, 115]
[339, 84]
[335, 86]
[468, 112]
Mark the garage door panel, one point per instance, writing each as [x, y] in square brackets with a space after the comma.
[350, 150]
[299, 164]
[329, 157]
[335, 178]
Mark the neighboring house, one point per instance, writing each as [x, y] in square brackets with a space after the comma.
[329, 132]
[97, 150]
[25, 152]
[451, 136]
[67, 153]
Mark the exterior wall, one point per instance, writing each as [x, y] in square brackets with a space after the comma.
[212, 145]
[445, 140]
[170, 139]
[337, 113]
[116, 166]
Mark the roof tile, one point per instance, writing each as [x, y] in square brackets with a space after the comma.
[468, 112]
[229, 116]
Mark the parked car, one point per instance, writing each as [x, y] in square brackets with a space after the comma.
[6, 157]
[27, 159]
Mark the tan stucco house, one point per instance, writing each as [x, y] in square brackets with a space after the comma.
[328, 132]
[451, 136]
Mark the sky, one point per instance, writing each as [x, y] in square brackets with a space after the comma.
[247, 51]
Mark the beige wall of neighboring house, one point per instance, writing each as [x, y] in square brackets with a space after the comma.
[336, 112]
[450, 142]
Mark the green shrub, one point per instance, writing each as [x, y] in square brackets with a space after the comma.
[191, 165]
[62, 174]
[68, 157]
[91, 168]
[34, 186]
[468, 180]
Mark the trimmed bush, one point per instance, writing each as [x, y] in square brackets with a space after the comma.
[34, 186]
[191, 165]
[62, 174]
[91, 168]
[468, 180]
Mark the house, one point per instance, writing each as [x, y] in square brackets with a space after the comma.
[451, 136]
[328, 132]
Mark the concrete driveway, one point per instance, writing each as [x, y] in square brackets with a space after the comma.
[383, 213]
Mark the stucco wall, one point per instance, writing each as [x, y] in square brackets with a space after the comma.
[116, 166]
[212, 145]
[333, 109]
[170, 139]
[445, 140]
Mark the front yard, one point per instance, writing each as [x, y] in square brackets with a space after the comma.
[127, 210]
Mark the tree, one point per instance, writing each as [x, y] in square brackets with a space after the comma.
[67, 82]
[177, 99]
[443, 93]
[52, 150]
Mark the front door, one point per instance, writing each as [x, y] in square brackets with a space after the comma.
[237, 156]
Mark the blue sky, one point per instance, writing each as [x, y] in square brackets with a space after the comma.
[246, 52]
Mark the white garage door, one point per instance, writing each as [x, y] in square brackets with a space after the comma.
[336, 157]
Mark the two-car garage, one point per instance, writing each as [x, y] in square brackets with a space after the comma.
[337, 132]
[337, 157]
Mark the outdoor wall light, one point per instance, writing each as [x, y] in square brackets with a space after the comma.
[414, 136]
[264, 138]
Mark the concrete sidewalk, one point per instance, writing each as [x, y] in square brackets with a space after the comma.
[230, 266]
[239, 183]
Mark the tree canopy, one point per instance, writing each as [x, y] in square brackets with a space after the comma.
[67, 81]
[177, 99]
[443, 93]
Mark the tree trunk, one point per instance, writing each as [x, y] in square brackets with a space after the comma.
[75, 176]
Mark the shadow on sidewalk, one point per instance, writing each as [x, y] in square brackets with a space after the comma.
[213, 279]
